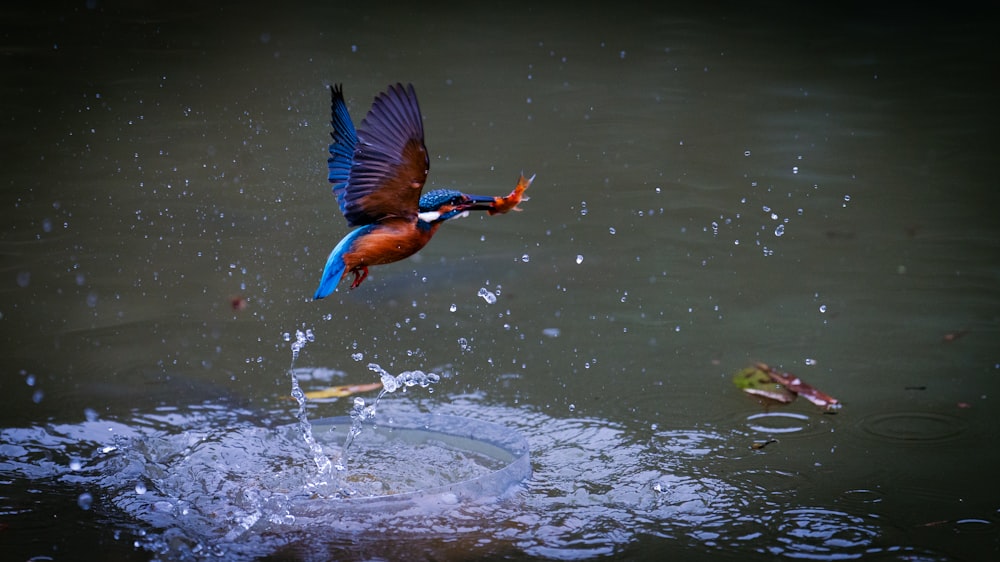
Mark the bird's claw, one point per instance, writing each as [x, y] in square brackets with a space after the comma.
[359, 276]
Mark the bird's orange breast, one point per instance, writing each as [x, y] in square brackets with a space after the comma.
[390, 241]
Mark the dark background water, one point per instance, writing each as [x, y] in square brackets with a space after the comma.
[806, 187]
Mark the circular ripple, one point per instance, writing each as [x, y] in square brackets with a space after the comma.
[975, 525]
[913, 427]
[861, 497]
[822, 534]
[779, 423]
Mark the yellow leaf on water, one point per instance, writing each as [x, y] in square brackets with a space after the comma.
[342, 390]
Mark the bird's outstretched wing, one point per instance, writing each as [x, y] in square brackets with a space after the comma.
[390, 160]
[345, 139]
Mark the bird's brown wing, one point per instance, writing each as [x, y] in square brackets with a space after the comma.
[390, 160]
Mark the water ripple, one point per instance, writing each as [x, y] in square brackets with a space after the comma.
[821, 534]
[211, 482]
[913, 427]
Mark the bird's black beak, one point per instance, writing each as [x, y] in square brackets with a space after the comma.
[478, 202]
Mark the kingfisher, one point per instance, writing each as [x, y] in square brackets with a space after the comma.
[378, 172]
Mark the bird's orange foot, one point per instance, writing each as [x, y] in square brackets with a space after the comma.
[359, 275]
[509, 203]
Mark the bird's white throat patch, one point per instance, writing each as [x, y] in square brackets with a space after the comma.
[429, 216]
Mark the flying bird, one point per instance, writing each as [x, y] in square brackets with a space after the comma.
[378, 172]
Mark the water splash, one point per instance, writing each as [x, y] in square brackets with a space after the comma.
[363, 411]
[301, 339]
[324, 467]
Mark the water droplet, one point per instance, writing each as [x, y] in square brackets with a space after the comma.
[579, 258]
[358, 356]
[822, 308]
[551, 332]
[75, 465]
[140, 488]
[85, 500]
[810, 361]
[611, 230]
[795, 169]
[453, 307]
[487, 296]
[389, 383]
[746, 153]
[525, 258]
[779, 230]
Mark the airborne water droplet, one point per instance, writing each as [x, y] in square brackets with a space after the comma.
[85, 500]
[487, 296]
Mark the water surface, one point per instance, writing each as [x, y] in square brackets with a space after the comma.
[713, 188]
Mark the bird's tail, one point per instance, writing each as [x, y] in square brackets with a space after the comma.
[335, 265]
[332, 273]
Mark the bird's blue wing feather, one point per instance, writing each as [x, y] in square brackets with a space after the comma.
[334, 269]
[345, 140]
[390, 160]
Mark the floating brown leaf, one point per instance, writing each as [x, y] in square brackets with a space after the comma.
[342, 390]
[799, 387]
